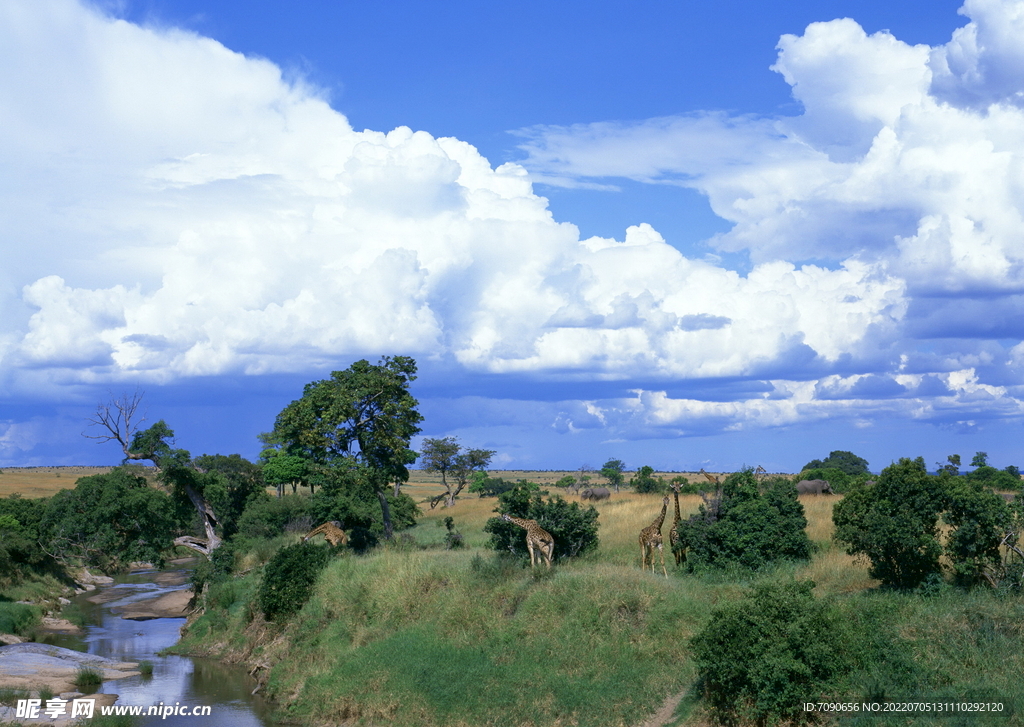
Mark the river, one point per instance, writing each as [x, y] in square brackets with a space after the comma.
[176, 679]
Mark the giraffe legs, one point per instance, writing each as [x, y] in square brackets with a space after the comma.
[661, 552]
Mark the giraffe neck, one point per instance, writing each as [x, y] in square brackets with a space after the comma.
[519, 521]
[675, 494]
[661, 518]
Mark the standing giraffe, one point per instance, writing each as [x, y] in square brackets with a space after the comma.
[650, 538]
[673, 534]
[537, 538]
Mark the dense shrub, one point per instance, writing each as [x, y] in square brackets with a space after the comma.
[109, 520]
[348, 496]
[495, 486]
[842, 460]
[743, 527]
[761, 658]
[646, 482]
[289, 577]
[213, 570]
[996, 479]
[18, 618]
[20, 553]
[979, 519]
[574, 528]
[266, 517]
[894, 523]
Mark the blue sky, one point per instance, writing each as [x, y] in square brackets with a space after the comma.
[680, 234]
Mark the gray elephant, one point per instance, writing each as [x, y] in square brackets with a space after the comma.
[595, 493]
[814, 487]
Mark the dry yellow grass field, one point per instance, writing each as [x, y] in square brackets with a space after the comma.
[43, 481]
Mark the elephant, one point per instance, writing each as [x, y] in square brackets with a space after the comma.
[595, 493]
[814, 487]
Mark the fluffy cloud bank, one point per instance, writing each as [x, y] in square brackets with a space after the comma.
[174, 209]
[906, 159]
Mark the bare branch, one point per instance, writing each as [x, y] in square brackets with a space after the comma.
[120, 418]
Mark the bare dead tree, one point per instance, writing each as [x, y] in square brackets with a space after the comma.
[120, 417]
[121, 420]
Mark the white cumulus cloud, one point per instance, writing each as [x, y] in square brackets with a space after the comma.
[172, 209]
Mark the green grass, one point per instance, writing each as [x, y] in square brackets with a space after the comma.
[415, 635]
[146, 668]
[9, 696]
[18, 618]
[88, 679]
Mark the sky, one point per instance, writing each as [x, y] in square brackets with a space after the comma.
[678, 234]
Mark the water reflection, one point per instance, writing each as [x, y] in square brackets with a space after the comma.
[176, 679]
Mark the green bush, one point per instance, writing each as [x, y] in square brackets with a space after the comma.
[495, 486]
[842, 460]
[979, 519]
[266, 517]
[645, 481]
[744, 527]
[453, 539]
[894, 523]
[348, 495]
[108, 521]
[289, 577]
[573, 527]
[216, 569]
[761, 658]
[18, 618]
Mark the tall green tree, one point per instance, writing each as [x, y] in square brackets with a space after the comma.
[282, 469]
[612, 471]
[364, 414]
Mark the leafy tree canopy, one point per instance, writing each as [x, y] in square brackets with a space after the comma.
[612, 471]
[894, 523]
[364, 416]
[847, 462]
[447, 457]
[109, 520]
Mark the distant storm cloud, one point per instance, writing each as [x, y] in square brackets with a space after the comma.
[174, 209]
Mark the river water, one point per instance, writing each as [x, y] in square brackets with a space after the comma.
[176, 679]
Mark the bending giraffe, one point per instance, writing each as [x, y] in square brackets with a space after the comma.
[537, 538]
[711, 478]
[650, 538]
[332, 531]
[673, 534]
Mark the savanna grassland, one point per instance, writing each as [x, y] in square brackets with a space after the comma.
[413, 634]
[43, 481]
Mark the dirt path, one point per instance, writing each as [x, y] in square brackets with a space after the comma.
[664, 714]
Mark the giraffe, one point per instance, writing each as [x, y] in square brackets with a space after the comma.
[650, 538]
[673, 534]
[537, 538]
[760, 473]
[711, 478]
[332, 531]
